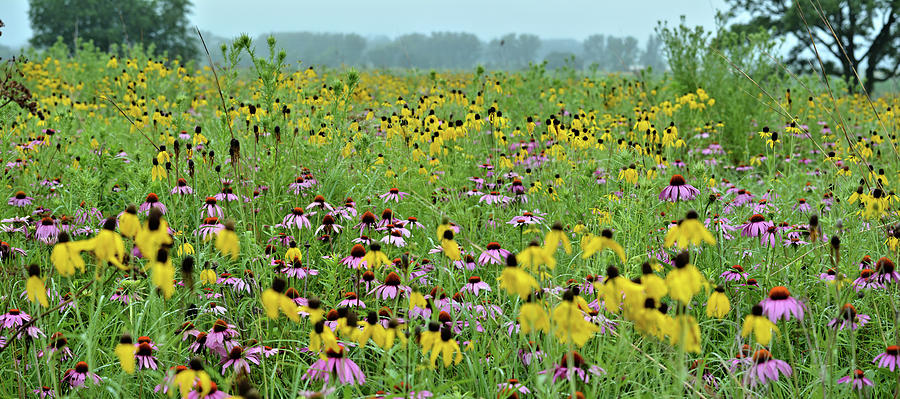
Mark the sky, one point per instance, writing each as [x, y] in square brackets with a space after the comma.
[576, 19]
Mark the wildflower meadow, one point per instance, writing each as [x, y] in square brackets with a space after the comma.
[179, 230]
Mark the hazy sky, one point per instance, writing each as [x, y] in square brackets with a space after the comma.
[575, 19]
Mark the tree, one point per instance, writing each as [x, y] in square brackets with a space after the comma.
[594, 48]
[652, 57]
[161, 23]
[621, 53]
[512, 51]
[859, 34]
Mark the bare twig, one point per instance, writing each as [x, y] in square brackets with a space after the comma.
[131, 121]
[216, 77]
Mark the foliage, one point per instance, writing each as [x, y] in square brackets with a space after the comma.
[163, 23]
[717, 62]
[845, 35]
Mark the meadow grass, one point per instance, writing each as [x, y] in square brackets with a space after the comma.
[359, 134]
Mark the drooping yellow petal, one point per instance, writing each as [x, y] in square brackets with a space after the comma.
[36, 291]
[125, 352]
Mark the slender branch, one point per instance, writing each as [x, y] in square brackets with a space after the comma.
[218, 87]
[131, 121]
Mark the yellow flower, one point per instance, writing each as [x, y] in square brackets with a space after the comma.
[66, 255]
[394, 330]
[34, 286]
[293, 254]
[274, 299]
[759, 325]
[153, 234]
[207, 276]
[158, 172]
[428, 338]
[570, 323]
[533, 317]
[446, 346]
[449, 246]
[372, 329]
[163, 273]
[654, 286]
[554, 237]
[129, 224]
[858, 195]
[227, 241]
[322, 338]
[314, 310]
[689, 231]
[108, 245]
[125, 351]
[687, 328]
[591, 244]
[684, 280]
[186, 249]
[375, 257]
[718, 305]
[416, 299]
[193, 375]
[515, 280]
[629, 174]
[534, 256]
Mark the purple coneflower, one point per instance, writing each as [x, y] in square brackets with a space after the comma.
[15, 318]
[77, 376]
[768, 238]
[46, 230]
[766, 368]
[152, 201]
[297, 218]
[220, 338]
[475, 285]
[214, 393]
[395, 238]
[890, 359]
[209, 228]
[319, 202]
[334, 362]
[756, 226]
[678, 190]
[849, 318]
[239, 359]
[866, 280]
[44, 392]
[297, 270]
[329, 226]
[20, 200]
[857, 380]
[227, 194]
[58, 344]
[144, 356]
[391, 287]
[802, 206]
[886, 271]
[511, 386]
[212, 209]
[467, 262]
[780, 305]
[355, 259]
[351, 300]
[579, 368]
[734, 273]
[393, 194]
[494, 197]
[494, 254]
[182, 188]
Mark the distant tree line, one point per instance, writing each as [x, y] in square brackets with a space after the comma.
[458, 50]
[163, 24]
